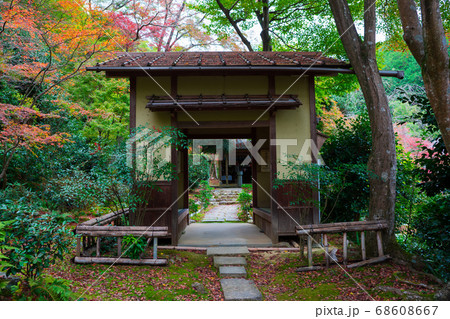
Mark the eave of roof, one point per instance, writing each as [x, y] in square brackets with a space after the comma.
[226, 63]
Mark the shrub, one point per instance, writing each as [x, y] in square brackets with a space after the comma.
[44, 289]
[245, 201]
[346, 153]
[71, 191]
[40, 238]
[432, 234]
[133, 247]
[247, 188]
[198, 172]
[193, 206]
[205, 194]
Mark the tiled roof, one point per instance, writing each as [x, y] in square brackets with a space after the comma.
[217, 59]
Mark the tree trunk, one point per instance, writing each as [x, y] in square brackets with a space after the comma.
[382, 165]
[234, 24]
[264, 21]
[428, 44]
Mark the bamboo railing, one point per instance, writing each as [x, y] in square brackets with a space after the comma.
[359, 226]
[91, 232]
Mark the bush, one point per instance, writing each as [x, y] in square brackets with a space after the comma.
[44, 289]
[193, 206]
[72, 191]
[245, 200]
[199, 172]
[133, 247]
[432, 234]
[40, 238]
[347, 152]
[205, 194]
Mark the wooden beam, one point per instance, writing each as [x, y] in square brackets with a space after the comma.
[254, 174]
[119, 233]
[379, 244]
[82, 228]
[371, 261]
[186, 179]
[119, 246]
[78, 253]
[174, 186]
[345, 248]
[313, 134]
[120, 261]
[341, 227]
[273, 175]
[310, 256]
[222, 124]
[98, 246]
[363, 245]
[132, 103]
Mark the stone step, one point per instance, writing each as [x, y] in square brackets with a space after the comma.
[227, 251]
[229, 261]
[233, 271]
[238, 289]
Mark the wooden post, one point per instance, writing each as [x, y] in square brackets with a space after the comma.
[155, 248]
[78, 247]
[363, 245]
[379, 244]
[119, 246]
[345, 248]
[310, 258]
[325, 243]
[98, 246]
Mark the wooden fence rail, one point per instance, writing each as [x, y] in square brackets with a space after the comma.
[359, 226]
[91, 232]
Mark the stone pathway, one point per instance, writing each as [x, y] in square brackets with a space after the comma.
[222, 213]
[231, 264]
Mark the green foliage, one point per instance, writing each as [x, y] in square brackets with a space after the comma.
[434, 162]
[44, 289]
[107, 97]
[430, 238]
[133, 247]
[205, 194]
[40, 238]
[346, 153]
[198, 172]
[193, 206]
[247, 188]
[71, 191]
[4, 248]
[245, 200]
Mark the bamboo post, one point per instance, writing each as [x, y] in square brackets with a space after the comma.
[78, 247]
[119, 246]
[345, 248]
[363, 245]
[379, 244]
[325, 243]
[98, 246]
[310, 258]
[155, 248]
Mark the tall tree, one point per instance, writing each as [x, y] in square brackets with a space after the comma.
[427, 41]
[382, 164]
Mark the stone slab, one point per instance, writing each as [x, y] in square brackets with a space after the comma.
[240, 290]
[233, 271]
[227, 251]
[224, 234]
[229, 261]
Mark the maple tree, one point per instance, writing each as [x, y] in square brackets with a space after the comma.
[48, 42]
[19, 129]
